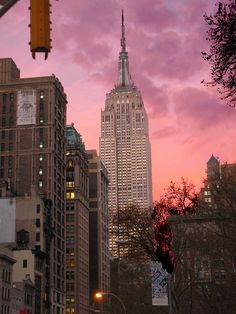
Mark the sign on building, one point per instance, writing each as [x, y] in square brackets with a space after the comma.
[26, 107]
[7, 220]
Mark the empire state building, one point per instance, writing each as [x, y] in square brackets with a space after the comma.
[125, 147]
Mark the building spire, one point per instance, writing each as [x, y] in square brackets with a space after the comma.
[124, 78]
[122, 41]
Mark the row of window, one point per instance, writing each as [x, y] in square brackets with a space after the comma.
[5, 309]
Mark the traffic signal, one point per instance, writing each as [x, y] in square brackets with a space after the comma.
[40, 27]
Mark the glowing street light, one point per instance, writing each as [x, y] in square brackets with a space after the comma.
[99, 296]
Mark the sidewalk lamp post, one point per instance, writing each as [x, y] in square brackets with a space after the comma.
[99, 295]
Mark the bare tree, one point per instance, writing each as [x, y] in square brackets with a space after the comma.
[205, 250]
[148, 231]
[222, 53]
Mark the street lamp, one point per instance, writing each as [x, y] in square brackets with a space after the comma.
[100, 294]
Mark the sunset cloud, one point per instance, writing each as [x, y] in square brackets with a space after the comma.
[164, 40]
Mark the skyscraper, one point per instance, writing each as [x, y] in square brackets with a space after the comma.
[125, 147]
[32, 160]
[77, 224]
[99, 257]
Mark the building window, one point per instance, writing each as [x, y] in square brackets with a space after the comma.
[11, 97]
[41, 133]
[70, 217]
[70, 195]
[41, 106]
[41, 93]
[70, 251]
[38, 209]
[9, 172]
[40, 184]
[40, 158]
[40, 171]
[70, 240]
[219, 263]
[220, 277]
[70, 164]
[24, 263]
[70, 228]
[11, 121]
[37, 236]
[37, 223]
[70, 263]
[70, 206]
[2, 161]
[3, 109]
[41, 145]
[70, 184]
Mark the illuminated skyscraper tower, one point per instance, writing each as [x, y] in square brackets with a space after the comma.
[125, 147]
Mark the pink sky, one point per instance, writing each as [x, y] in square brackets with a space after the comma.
[187, 121]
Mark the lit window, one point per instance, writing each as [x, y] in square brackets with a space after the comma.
[70, 263]
[40, 158]
[41, 120]
[41, 145]
[70, 251]
[40, 184]
[41, 94]
[70, 195]
[70, 164]
[70, 184]
[40, 171]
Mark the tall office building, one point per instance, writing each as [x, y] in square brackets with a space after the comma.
[125, 147]
[99, 258]
[77, 225]
[32, 159]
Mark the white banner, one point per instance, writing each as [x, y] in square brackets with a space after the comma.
[159, 285]
[26, 107]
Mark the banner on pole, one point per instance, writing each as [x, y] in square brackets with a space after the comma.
[159, 285]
